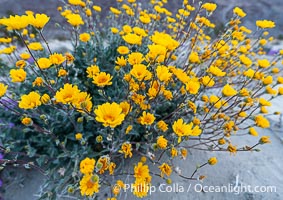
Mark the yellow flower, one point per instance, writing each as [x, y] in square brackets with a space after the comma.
[163, 73]
[20, 63]
[207, 81]
[261, 121]
[62, 72]
[280, 90]
[132, 38]
[140, 72]
[174, 152]
[165, 169]
[18, 75]
[125, 107]
[267, 80]
[25, 56]
[83, 102]
[75, 19]
[114, 30]
[45, 99]
[89, 185]
[140, 188]
[182, 129]
[68, 94]
[15, 22]
[78, 136]
[238, 11]
[123, 50]
[212, 161]
[232, 149]
[3, 89]
[27, 121]
[30, 101]
[121, 61]
[216, 71]
[141, 173]
[264, 63]
[96, 8]
[192, 106]
[135, 58]
[109, 114]
[161, 142]
[265, 24]
[84, 37]
[253, 132]
[246, 60]
[92, 71]
[228, 91]
[115, 11]
[126, 149]
[102, 79]
[35, 46]
[37, 82]
[162, 126]
[192, 86]
[44, 63]
[111, 168]
[184, 153]
[221, 141]
[57, 58]
[102, 164]
[146, 118]
[210, 7]
[87, 166]
[249, 73]
[39, 21]
[264, 140]
[264, 102]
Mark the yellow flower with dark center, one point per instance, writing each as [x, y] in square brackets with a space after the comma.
[228, 91]
[75, 19]
[3, 89]
[264, 140]
[102, 79]
[68, 94]
[37, 82]
[18, 75]
[87, 166]
[212, 161]
[89, 185]
[261, 121]
[182, 129]
[35, 46]
[165, 169]
[44, 63]
[162, 126]
[109, 114]
[126, 149]
[123, 50]
[265, 24]
[57, 58]
[146, 118]
[39, 20]
[27, 121]
[132, 38]
[84, 37]
[30, 101]
[140, 72]
[161, 142]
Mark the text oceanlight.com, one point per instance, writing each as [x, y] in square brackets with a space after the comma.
[178, 188]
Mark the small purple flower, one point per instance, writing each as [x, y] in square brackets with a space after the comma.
[1, 183]
[30, 60]
[1, 156]
[272, 52]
